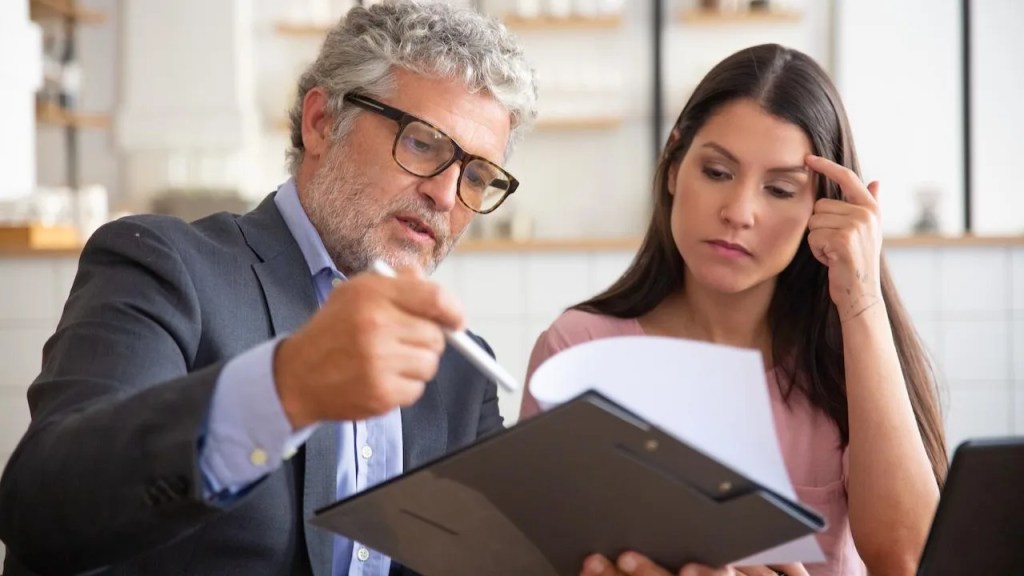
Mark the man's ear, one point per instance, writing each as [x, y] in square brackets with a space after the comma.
[316, 123]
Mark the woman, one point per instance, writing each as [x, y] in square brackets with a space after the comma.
[763, 236]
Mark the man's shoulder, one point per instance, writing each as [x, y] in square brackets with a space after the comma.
[216, 231]
[171, 227]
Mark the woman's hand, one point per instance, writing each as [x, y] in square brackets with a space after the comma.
[847, 238]
[633, 564]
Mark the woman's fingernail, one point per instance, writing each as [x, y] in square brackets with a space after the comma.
[593, 565]
[627, 563]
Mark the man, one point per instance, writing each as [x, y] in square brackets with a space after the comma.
[211, 384]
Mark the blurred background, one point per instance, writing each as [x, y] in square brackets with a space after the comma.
[118, 106]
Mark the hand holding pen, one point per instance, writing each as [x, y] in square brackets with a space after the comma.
[370, 348]
[462, 342]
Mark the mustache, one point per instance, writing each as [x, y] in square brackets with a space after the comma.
[420, 208]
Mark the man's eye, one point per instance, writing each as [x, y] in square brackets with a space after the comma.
[416, 145]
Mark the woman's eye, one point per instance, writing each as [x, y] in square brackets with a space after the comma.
[780, 192]
[715, 173]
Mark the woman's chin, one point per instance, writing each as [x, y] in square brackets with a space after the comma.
[723, 281]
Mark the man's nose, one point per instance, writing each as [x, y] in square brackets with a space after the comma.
[443, 188]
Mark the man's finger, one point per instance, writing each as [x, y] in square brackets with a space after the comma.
[420, 333]
[427, 299]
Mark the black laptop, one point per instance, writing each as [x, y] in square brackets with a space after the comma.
[979, 525]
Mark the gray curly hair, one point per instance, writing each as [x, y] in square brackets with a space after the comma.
[432, 39]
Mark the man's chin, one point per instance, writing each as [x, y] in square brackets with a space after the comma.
[404, 258]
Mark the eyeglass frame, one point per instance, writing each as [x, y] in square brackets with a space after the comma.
[403, 119]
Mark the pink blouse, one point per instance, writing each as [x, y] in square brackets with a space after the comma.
[809, 440]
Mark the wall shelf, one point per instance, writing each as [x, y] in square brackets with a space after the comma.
[568, 23]
[42, 9]
[57, 116]
[303, 29]
[582, 123]
[625, 244]
[698, 17]
[630, 244]
[543, 124]
[610, 22]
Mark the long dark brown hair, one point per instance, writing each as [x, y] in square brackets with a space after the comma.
[805, 329]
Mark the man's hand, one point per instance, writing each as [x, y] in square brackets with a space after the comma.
[633, 564]
[371, 348]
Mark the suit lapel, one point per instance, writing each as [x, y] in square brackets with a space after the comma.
[319, 489]
[288, 290]
[282, 271]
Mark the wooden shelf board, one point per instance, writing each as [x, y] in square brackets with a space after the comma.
[42, 9]
[633, 243]
[627, 244]
[56, 116]
[281, 125]
[583, 123]
[38, 237]
[607, 22]
[549, 245]
[964, 240]
[543, 124]
[314, 29]
[711, 17]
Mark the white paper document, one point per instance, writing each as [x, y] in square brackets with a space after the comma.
[713, 397]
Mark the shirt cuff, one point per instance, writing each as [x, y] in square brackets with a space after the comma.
[247, 432]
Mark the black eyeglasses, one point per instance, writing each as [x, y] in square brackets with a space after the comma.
[423, 150]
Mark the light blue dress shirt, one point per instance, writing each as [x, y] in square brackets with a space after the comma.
[248, 434]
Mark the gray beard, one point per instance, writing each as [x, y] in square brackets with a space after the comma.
[349, 218]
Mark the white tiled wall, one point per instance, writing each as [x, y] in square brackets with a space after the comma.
[968, 303]
[32, 294]
[511, 297]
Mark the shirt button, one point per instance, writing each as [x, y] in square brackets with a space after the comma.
[258, 457]
[335, 282]
[367, 452]
[363, 554]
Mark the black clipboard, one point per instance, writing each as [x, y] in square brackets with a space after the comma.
[584, 477]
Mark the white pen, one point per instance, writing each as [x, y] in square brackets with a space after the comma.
[463, 343]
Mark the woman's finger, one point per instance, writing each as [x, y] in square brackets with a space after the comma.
[828, 222]
[853, 189]
[636, 564]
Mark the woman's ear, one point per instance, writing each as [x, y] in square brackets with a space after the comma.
[673, 174]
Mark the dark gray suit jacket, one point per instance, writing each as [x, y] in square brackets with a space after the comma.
[107, 479]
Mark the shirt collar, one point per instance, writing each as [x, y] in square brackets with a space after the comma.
[295, 218]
